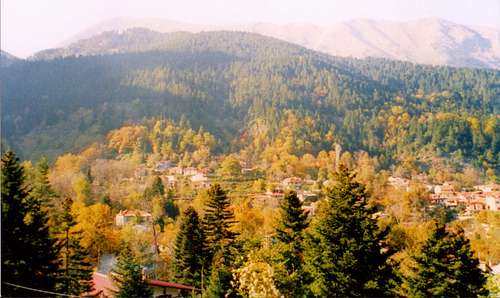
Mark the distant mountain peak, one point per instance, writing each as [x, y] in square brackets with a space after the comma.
[430, 40]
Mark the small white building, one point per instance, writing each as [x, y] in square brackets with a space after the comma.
[493, 202]
[200, 180]
[125, 216]
[292, 182]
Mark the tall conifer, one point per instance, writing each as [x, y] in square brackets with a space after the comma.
[218, 221]
[190, 250]
[289, 274]
[128, 277]
[447, 267]
[29, 254]
[344, 254]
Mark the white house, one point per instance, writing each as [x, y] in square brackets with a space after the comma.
[200, 180]
[125, 216]
[493, 202]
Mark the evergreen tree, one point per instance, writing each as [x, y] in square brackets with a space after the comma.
[171, 209]
[217, 222]
[128, 277]
[343, 255]
[289, 274]
[446, 267]
[75, 275]
[189, 250]
[219, 284]
[41, 187]
[156, 189]
[29, 254]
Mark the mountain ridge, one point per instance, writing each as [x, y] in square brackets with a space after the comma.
[430, 41]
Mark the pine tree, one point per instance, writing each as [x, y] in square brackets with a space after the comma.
[128, 277]
[75, 275]
[41, 187]
[219, 284]
[446, 267]
[343, 255]
[29, 254]
[189, 250]
[289, 274]
[217, 222]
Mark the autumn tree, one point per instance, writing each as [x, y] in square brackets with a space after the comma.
[75, 275]
[230, 167]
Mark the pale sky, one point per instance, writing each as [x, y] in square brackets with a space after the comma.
[28, 26]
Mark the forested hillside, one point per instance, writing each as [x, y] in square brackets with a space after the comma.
[252, 92]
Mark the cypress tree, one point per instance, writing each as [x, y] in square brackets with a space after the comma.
[343, 255]
[289, 274]
[128, 277]
[75, 275]
[189, 250]
[29, 253]
[446, 267]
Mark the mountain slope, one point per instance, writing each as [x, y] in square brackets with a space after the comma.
[7, 59]
[248, 90]
[427, 41]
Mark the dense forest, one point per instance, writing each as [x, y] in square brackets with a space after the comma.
[250, 92]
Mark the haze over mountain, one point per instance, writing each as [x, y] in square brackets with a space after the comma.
[428, 41]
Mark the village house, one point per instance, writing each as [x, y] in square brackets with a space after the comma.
[474, 206]
[163, 165]
[493, 202]
[105, 288]
[487, 188]
[190, 171]
[125, 216]
[447, 187]
[169, 181]
[200, 181]
[275, 192]
[291, 183]
[175, 171]
[398, 182]
[307, 196]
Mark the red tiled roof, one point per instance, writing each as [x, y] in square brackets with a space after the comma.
[166, 284]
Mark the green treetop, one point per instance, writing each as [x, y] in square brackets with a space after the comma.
[189, 250]
[128, 277]
[29, 253]
[344, 254]
[446, 267]
[289, 274]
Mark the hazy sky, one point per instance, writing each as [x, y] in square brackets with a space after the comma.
[28, 26]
